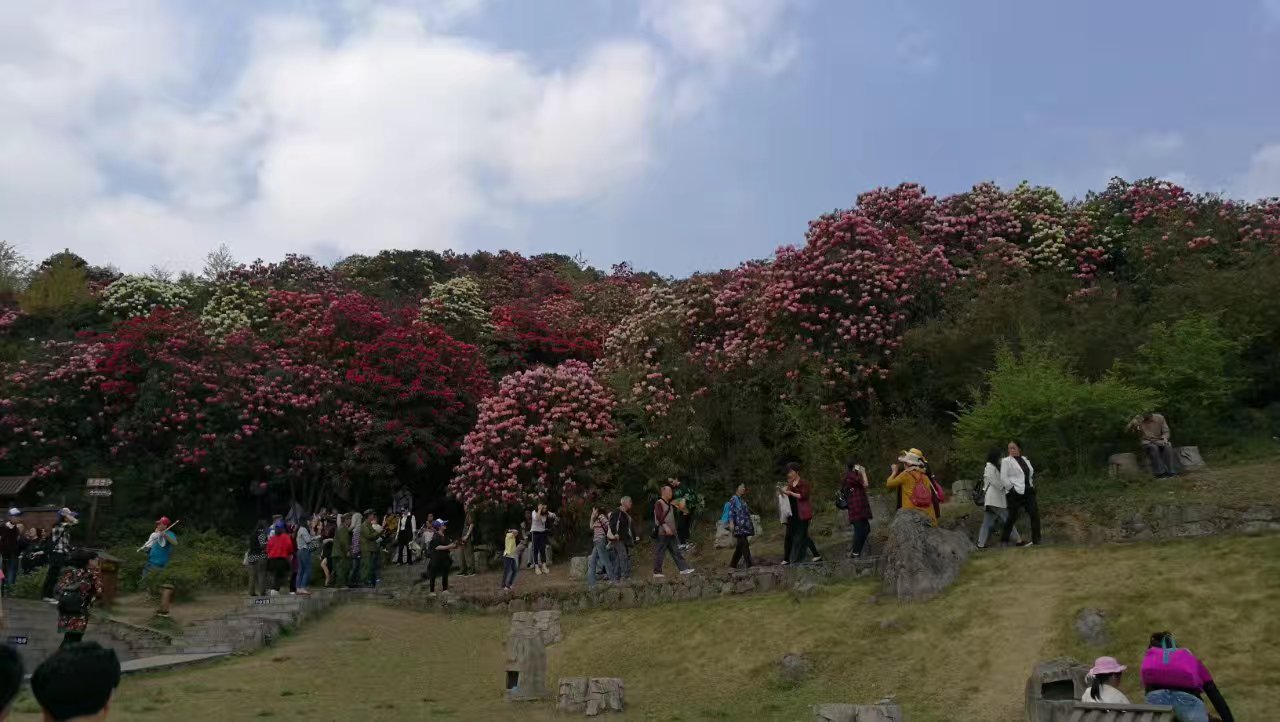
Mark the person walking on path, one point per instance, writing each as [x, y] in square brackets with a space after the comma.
[784, 518]
[538, 527]
[159, 547]
[685, 503]
[467, 544]
[1154, 431]
[995, 504]
[798, 492]
[915, 490]
[78, 589]
[255, 559]
[510, 558]
[279, 558]
[600, 554]
[439, 560]
[1172, 675]
[308, 539]
[11, 548]
[664, 522]
[1019, 478]
[369, 532]
[342, 550]
[408, 529]
[59, 550]
[621, 538]
[857, 506]
[741, 526]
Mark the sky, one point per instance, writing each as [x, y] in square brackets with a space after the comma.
[678, 135]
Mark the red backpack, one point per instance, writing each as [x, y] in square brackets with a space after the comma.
[922, 492]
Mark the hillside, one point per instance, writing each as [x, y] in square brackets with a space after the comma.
[962, 656]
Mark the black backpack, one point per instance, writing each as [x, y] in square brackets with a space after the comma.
[71, 602]
[842, 497]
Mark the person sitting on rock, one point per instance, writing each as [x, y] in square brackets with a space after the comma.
[1155, 441]
[1104, 682]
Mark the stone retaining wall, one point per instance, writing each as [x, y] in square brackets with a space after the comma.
[644, 592]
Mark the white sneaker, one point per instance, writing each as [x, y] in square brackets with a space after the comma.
[690, 570]
[659, 575]
[1029, 544]
[537, 570]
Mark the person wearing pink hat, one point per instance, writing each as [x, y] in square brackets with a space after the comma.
[1104, 681]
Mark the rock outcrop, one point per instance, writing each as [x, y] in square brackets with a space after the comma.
[920, 560]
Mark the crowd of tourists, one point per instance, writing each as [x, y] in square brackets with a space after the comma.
[1170, 675]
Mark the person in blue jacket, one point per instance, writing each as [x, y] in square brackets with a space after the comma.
[159, 547]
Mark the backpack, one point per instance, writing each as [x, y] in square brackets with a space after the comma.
[842, 497]
[71, 602]
[922, 493]
[979, 495]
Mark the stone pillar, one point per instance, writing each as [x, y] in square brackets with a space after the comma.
[579, 695]
[1053, 689]
[578, 568]
[526, 666]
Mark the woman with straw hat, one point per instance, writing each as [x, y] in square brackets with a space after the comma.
[915, 490]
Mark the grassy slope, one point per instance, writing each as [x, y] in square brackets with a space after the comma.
[963, 656]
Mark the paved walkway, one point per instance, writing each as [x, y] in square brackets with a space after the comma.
[167, 661]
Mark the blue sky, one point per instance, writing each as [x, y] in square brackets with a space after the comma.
[680, 135]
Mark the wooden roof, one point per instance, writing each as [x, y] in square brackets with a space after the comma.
[1092, 712]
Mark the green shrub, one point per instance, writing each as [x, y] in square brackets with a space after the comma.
[1066, 424]
[202, 561]
[30, 585]
[1191, 364]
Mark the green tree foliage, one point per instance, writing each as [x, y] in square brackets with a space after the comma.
[1066, 423]
[59, 290]
[389, 274]
[1192, 365]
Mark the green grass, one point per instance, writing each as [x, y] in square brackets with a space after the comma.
[962, 656]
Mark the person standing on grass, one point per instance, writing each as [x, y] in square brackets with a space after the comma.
[741, 526]
[915, 489]
[78, 589]
[798, 492]
[621, 539]
[59, 550]
[1154, 431]
[1173, 676]
[858, 508]
[510, 559]
[467, 544]
[1019, 478]
[11, 548]
[664, 522]
[158, 547]
[538, 521]
[279, 557]
[600, 555]
[439, 559]
[995, 504]
[76, 683]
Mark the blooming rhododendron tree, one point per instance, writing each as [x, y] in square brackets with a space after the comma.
[456, 306]
[542, 436]
[131, 296]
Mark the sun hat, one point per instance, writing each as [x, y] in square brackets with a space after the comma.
[1106, 665]
[912, 458]
[15, 511]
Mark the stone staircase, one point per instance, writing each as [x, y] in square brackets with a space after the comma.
[31, 628]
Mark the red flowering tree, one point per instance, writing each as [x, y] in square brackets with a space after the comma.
[543, 436]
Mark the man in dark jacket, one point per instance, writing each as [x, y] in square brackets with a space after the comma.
[11, 547]
[621, 538]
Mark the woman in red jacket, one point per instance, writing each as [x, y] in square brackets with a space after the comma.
[279, 557]
[799, 491]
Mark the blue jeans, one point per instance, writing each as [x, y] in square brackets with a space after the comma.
[600, 554]
[12, 567]
[304, 568]
[509, 568]
[1186, 706]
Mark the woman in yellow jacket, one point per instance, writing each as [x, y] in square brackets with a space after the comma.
[906, 478]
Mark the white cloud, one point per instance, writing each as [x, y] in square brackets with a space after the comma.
[384, 130]
[1263, 177]
[720, 33]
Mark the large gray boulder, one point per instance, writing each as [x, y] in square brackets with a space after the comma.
[920, 560]
[590, 697]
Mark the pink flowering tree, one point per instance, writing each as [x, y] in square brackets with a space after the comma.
[545, 435]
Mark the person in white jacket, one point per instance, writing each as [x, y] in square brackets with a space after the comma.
[1019, 478]
[995, 507]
